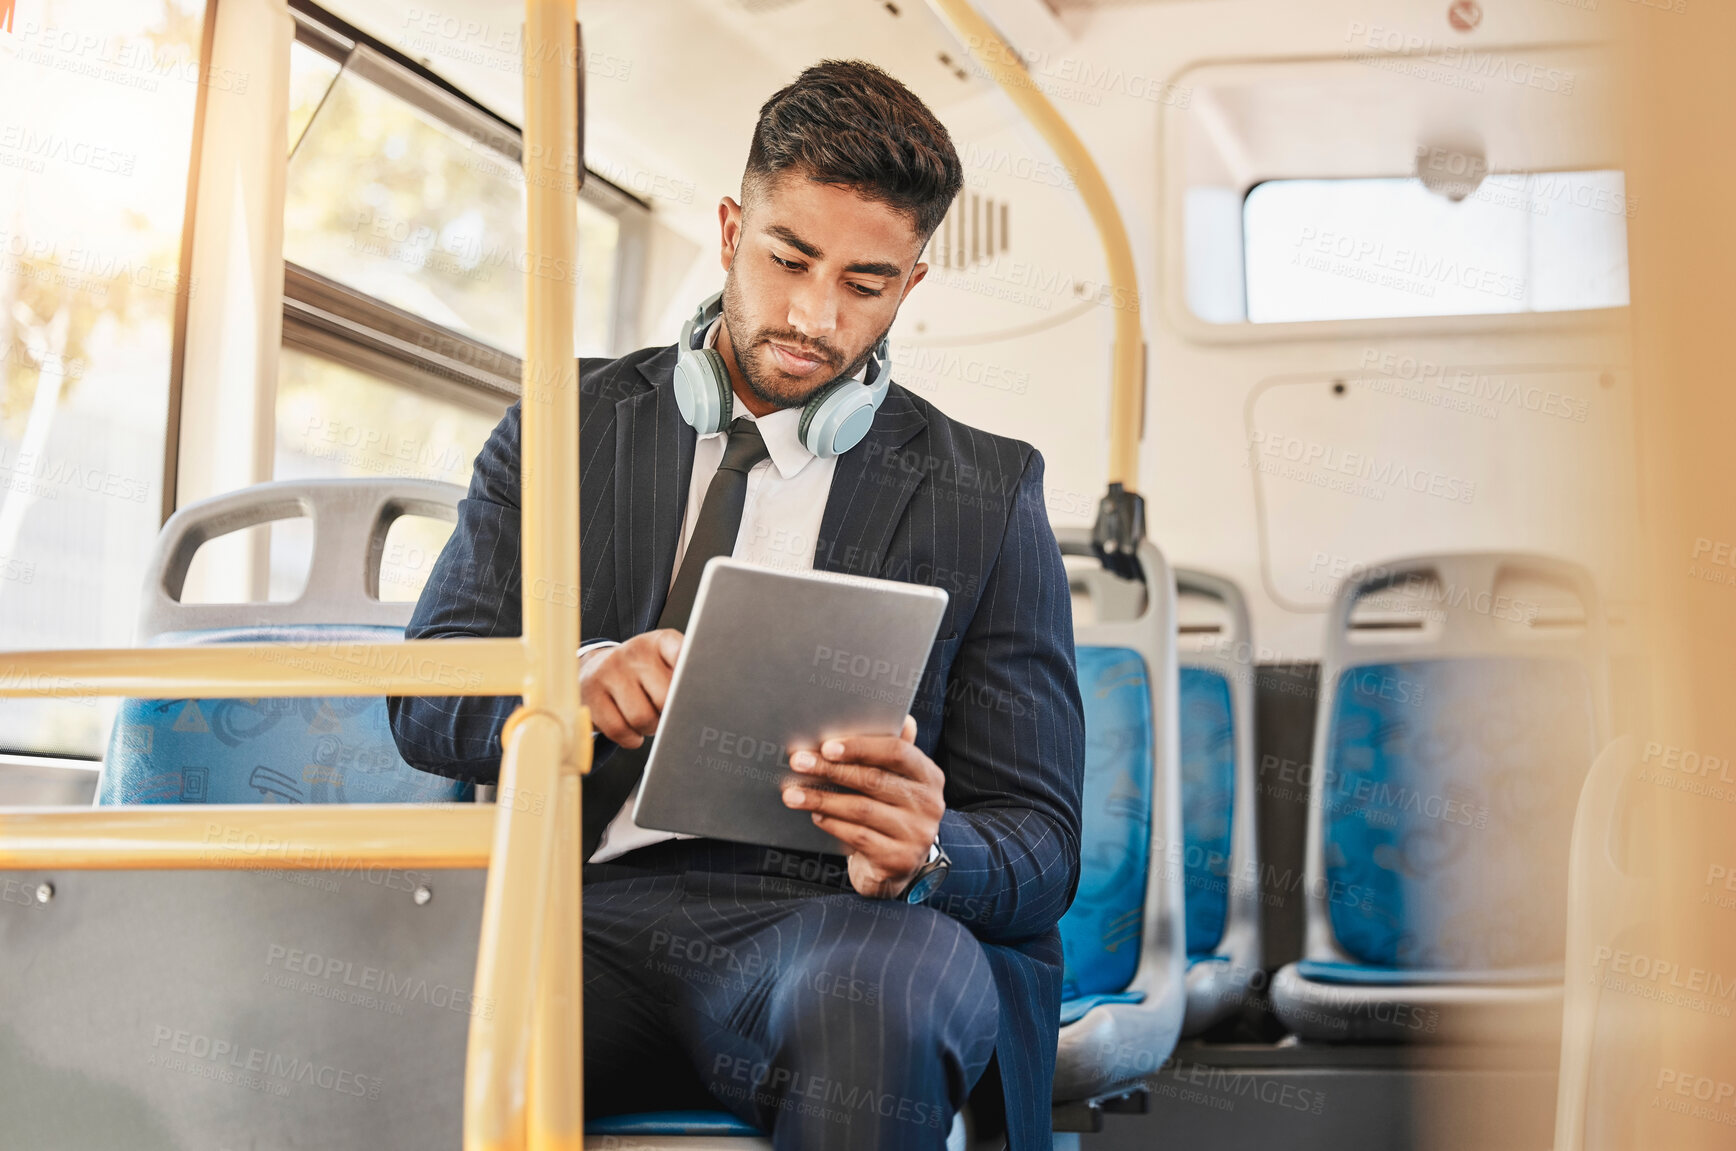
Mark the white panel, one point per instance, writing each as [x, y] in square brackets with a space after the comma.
[1432, 459]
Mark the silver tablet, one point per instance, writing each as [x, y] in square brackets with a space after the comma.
[774, 660]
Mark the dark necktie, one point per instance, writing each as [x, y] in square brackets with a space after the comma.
[608, 785]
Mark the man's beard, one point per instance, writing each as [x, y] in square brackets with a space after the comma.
[765, 383]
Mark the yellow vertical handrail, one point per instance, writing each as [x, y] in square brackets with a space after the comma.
[549, 411]
[557, 1058]
[1127, 367]
[495, 1075]
[528, 960]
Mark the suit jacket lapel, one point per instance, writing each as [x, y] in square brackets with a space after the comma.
[871, 485]
[653, 467]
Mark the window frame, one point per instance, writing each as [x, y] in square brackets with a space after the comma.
[359, 331]
[1171, 307]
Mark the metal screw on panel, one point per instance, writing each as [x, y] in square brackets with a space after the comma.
[422, 895]
[44, 892]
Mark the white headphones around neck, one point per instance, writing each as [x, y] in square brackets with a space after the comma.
[834, 419]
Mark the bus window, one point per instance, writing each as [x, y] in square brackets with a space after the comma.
[400, 191]
[94, 149]
[1373, 248]
[404, 285]
[389, 200]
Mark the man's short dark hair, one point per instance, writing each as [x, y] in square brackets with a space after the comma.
[847, 122]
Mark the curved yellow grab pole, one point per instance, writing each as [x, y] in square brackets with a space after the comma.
[527, 969]
[1127, 367]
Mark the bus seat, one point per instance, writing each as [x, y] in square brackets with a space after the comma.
[336, 749]
[1220, 865]
[1462, 703]
[1123, 988]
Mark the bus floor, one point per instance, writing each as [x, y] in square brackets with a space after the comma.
[1315, 1097]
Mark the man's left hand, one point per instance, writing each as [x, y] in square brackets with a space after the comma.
[891, 823]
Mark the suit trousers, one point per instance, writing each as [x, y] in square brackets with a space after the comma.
[756, 979]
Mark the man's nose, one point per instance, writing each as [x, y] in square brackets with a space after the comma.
[814, 309]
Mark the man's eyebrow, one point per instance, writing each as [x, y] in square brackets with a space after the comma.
[889, 271]
[865, 268]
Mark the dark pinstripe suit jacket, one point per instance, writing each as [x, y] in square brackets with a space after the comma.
[921, 499]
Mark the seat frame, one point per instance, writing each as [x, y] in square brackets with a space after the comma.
[1215, 989]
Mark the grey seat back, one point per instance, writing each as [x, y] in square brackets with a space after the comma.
[350, 518]
[1122, 1012]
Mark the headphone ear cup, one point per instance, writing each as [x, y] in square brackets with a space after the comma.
[836, 418]
[702, 390]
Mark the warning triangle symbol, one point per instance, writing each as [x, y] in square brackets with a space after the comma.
[191, 719]
[323, 719]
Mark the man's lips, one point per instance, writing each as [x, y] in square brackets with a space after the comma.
[794, 362]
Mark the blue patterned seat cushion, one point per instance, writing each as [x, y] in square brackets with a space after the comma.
[333, 749]
[1449, 795]
[1208, 793]
[1100, 933]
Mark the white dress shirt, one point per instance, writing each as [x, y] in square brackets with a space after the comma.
[780, 526]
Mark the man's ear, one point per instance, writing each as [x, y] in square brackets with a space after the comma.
[916, 275]
[729, 229]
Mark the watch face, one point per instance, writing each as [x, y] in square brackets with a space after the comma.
[926, 885]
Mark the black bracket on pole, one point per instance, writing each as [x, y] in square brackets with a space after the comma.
[1119, 530]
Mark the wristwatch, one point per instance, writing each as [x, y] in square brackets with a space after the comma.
[929, 876]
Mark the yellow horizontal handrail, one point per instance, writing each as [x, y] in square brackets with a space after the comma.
[318, 837]
[258, 670]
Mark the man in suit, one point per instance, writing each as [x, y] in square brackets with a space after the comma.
[834, 1000]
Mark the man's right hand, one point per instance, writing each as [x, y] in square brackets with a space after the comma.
[625, 686]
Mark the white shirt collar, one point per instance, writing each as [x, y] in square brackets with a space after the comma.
[779, 429]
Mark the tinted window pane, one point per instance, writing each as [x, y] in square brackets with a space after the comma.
[310, 77]
[594, 303]
[335, 421]
[395, 203]
[96, 114]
